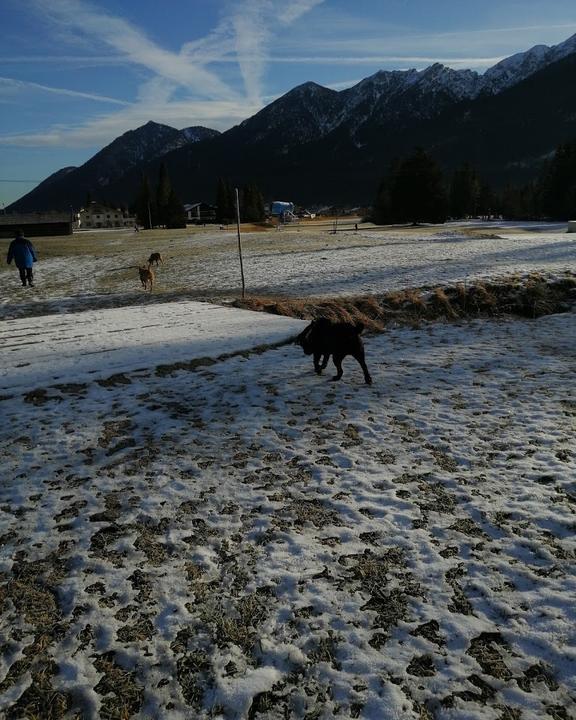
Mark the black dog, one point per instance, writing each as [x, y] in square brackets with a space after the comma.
[323, 338]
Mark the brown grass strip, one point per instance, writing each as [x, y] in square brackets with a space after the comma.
[529, 297]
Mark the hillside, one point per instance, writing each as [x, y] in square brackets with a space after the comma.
[316, 145]
[108, 168]
[507, 136]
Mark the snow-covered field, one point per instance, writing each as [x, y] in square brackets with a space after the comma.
[92, 270]
[239, 538]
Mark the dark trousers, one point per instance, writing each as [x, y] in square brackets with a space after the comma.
[26, 274]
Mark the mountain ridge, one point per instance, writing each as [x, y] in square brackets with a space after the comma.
[344, 128]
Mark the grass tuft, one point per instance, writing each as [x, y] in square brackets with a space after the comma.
[531, 296]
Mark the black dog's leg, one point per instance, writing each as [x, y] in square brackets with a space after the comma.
[317, 367]
[360, 357]
[338, 362]
[325, 362]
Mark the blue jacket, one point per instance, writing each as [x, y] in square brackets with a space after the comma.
[22, 252]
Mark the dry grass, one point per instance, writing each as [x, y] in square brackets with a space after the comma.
[530, 297]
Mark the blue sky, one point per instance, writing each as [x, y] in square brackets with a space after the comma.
[74, 75]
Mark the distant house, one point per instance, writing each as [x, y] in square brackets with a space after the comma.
[96, 215]
[36, 224]
[303, 213]
[200, 212]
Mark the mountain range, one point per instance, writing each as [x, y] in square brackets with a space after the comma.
[316, 145]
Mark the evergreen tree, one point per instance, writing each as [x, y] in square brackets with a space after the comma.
[464, 192]
[382, 209]
[174, 213]
[252, 204]
[163, 193]
[417, 191]
[519, 202]
[558, 184]
[225, 201]
[144, 206]
[488, 203]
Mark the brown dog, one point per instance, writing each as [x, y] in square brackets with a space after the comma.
[323, 338]
[155, 258]
[146, 277]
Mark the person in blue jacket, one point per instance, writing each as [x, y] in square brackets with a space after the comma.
[22, 252]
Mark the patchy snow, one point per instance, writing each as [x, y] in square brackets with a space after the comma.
[250, 540]
[296, 261]
[239, 538]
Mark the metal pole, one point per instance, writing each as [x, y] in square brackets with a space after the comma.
[239, 241]
[149, 216]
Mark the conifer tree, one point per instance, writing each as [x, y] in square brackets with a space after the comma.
[174, 213]
[519, 202]
[252, 204]
[417, 191]
[225, 201]
[464, 192]
[144, 205]
[169, 210]
[163, 192]
[382, 210]
[558, 184]
[488, 203]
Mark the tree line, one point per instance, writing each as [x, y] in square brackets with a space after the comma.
[416, 190]
[160, 208]
[250, 198]
[163, 208]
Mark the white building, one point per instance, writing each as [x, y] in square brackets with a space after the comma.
[100, 216]
[200, 212]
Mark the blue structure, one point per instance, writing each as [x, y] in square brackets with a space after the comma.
[282, 208]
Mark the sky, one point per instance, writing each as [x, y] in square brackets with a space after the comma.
[74, 75]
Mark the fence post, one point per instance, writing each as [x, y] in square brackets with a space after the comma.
[239, 242]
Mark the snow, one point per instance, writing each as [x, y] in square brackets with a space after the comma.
[247, 539]
[383, 91]
[294, 262]
[283, 491]
[513, 69]
[93, 344]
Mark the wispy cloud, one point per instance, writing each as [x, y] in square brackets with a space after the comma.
[252, 34]
[120, 35]
[182, 87]
[76, 60]
[244, 37]
[191, 85]
[102, 130]
[369, 38]
[294, 10]
[11, 84]
[403, 60]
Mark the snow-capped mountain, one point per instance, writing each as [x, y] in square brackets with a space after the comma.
[133, 149]
[197, 133]
[141, 145]
[313, 131]
[400, 95]
[303, 114]
[318, 145]
[516, 68]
